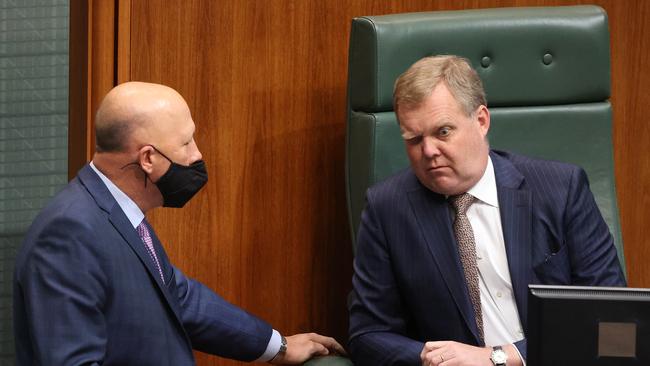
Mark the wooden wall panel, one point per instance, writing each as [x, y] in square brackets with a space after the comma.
[266, 83]
[92, 61]
[79, 124]
[630, 77]
[270, 231]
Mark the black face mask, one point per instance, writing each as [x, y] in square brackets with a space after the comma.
[180, 183]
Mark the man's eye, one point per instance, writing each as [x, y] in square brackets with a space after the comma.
[414, 140]
[444, 132]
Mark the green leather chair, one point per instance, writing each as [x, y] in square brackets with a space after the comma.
[546, 72]
[329, 361]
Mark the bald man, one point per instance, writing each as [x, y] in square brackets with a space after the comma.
[92, 282]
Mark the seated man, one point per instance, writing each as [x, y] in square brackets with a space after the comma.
[93, 285]
[447, 248]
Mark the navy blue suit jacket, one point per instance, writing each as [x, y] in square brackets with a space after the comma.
[408, 284]
[86, 292]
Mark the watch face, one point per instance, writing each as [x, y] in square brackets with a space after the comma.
[499, 357]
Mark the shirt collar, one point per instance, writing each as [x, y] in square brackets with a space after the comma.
[131, 210]
[485, 189]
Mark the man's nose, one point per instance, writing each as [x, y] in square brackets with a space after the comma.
[430, 147]
[196, 154]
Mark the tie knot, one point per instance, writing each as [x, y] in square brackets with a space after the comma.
[461, 202]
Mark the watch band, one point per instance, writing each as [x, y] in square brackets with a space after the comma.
[283, 348]
[283, 345]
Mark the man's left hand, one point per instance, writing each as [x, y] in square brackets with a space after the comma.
[448, 353]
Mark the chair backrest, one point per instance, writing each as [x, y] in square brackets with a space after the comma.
[546, 72]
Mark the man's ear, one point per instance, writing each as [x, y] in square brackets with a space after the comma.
[483, 119]
[144, 158]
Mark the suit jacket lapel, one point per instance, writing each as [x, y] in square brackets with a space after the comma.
[166, 268]
[121, 223]
[432, 214]
[515, 205]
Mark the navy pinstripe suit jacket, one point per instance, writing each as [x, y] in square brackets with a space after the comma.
[408, 284]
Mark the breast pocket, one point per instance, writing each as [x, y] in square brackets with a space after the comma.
[555, 269]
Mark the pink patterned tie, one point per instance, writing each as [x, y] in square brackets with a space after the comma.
[467, 250]
[148, 243]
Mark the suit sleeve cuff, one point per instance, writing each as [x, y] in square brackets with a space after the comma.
[272, 348]
[523, 360]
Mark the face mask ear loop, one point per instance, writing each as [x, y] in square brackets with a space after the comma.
[145, 173]
[161, 153]
[146, 176]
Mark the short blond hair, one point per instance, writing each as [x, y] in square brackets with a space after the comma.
[418, 82]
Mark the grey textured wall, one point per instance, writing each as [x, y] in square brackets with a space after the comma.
[33, 128]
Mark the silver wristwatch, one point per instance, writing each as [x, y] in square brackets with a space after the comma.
[282, 350]
[499, 356]
[283, 345]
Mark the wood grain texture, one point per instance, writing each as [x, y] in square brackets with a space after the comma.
[266, 81]
[92, 73]
[630, 77]
[79, 124]
[269, 232]
[123, 44]
[102, 58]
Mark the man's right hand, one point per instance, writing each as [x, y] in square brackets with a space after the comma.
[302, 347]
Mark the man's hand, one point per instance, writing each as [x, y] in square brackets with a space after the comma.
[302, 347]
[448, 353]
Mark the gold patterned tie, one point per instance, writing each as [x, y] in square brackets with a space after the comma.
[467, 250]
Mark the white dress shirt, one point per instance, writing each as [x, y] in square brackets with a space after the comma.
[135, 216]
[501, 323]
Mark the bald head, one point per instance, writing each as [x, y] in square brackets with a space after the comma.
[134, 112]
[141, 130]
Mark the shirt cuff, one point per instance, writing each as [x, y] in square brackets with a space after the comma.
[272, 348]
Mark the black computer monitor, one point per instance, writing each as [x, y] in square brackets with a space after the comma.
[585, 326]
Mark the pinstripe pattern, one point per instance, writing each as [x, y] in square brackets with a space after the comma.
[408, 284]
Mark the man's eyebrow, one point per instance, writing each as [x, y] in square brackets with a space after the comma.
[408, 135]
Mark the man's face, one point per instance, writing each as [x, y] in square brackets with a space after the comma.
[174, 134]
[447, 149]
